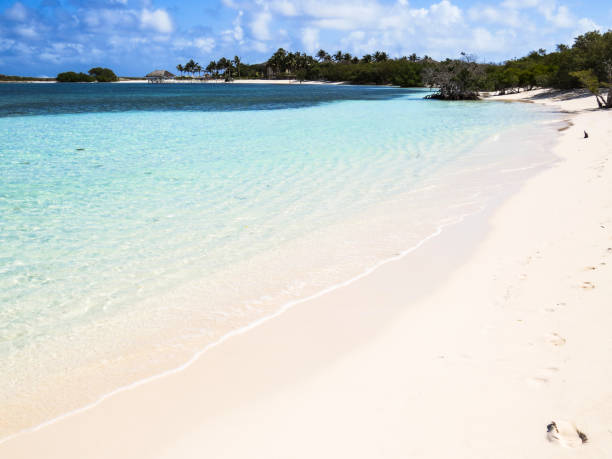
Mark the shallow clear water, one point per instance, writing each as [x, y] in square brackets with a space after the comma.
[177, 213]
[53, 99]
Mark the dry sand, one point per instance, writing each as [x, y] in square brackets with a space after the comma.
[242, 81]
[468, 348]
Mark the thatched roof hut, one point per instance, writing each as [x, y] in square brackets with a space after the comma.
[157, 76]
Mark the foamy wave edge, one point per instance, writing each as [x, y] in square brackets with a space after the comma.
[241, 330]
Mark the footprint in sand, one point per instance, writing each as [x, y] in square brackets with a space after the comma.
[554, 309]
[556, 340]
[588, 285]
[566, 434]
[537, 381]
[543, 377]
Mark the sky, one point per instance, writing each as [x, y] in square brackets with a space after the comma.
[134, 37]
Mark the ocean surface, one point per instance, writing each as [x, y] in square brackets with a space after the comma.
[140, 223]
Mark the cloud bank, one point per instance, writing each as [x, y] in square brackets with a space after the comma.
[134, 36]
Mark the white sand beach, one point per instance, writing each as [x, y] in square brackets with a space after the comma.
[238, 81]
[468, 348]
[212, 81]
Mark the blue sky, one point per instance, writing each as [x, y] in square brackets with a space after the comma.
[133, 37]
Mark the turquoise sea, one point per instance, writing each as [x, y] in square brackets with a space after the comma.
[140, 223]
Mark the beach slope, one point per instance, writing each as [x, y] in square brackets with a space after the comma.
[468, 348]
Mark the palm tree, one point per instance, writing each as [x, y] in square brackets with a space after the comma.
[180, 69]
[211, 67]
[229, 69]
[291, 61]
[322, 55]
[222, 64]
[190, 66]
[197, 68]
[338, 56]
[237, 63]
[278, 61]
[380, 56]
[366, 59]
[301, 61]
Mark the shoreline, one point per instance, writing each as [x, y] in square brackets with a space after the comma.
[282, 310]
[243, 81]
[101, 390]
[123, 354]
[217, 351]
[212, 81]
[122, 401]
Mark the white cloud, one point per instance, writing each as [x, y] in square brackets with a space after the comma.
[445, 12]
[26, 32]
[518, 4]
[556, 14]
[586, 25]
[343, 15]
[236, 33]
[310, 39]
[359, 43]
[483, 41]
[259, 46]
[5, 44]
[260, 26]
[497, 15]
[492, 29]
[561, 17]
[284, 7]
[157, 20]
[17, 12]
[110, 18]
[336, 24]
[204, 44]
[58, 52]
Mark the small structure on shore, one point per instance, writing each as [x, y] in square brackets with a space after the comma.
[159, 76]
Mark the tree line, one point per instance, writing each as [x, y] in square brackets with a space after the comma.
[586, 63]
[223, 68]
[375, 68]
[16, 78]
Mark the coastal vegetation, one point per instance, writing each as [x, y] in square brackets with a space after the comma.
[223, 68]
[96, 74]
[587, 63]
[459, 79]
[15, 78]
[589, 79]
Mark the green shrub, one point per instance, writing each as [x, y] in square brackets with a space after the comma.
[103, 75]
[73, 77]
